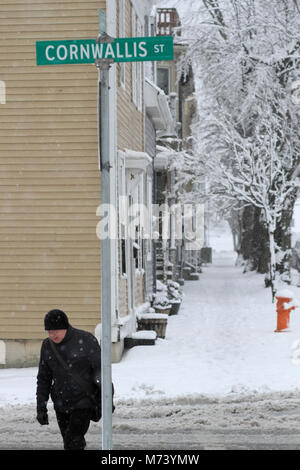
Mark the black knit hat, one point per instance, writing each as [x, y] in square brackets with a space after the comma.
[56, 320]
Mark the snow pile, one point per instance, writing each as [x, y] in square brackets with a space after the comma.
[286, 293]
[144, 334]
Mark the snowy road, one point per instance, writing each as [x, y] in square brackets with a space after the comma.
[252, 422]
[222, 379]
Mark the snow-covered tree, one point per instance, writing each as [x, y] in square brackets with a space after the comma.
[246, 54]
[258, 171]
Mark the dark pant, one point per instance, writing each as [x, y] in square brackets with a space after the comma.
[73, 427]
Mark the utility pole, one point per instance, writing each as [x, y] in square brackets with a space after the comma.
[103, 66]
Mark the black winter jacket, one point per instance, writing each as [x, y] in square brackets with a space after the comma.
[82, 353]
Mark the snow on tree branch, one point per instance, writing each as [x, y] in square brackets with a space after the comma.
[246, 56]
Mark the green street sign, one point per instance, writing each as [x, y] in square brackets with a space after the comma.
[85, 51]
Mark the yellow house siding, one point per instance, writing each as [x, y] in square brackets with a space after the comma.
[49, 177]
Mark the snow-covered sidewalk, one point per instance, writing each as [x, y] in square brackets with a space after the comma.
[221, 342]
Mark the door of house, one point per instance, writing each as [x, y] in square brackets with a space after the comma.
[130, 262]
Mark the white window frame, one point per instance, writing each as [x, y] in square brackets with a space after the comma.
[163, 67]
[149, 190]
[137, 244]
[137, 67]
[122, 34]
[133, 64]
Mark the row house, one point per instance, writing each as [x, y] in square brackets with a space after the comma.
[50, 179]
[174, 258]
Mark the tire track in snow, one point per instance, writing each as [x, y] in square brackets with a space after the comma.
[255, 421]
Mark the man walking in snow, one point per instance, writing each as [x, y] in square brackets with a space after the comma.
[70, 372]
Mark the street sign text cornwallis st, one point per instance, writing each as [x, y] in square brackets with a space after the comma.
[84, 51]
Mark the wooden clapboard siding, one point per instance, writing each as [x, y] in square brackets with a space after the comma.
[123, 296]
[130, 120]
[49, 179]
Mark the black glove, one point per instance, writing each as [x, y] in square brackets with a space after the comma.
[42, 417]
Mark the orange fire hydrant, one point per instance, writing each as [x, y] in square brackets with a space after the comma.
[283, 310]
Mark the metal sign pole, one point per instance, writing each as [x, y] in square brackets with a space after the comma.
[106, 300]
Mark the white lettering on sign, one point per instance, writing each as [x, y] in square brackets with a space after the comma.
[119, 55]
[84, 51]
[120, 50]
[73, 51]
[97, 50]
[47, 52]
[127, 55]
[134, 50]
[142, 48]
[109, 53]
[158, 48]
[65, 51]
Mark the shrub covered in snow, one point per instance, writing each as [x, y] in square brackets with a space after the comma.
[174, 292]
[161, 301]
